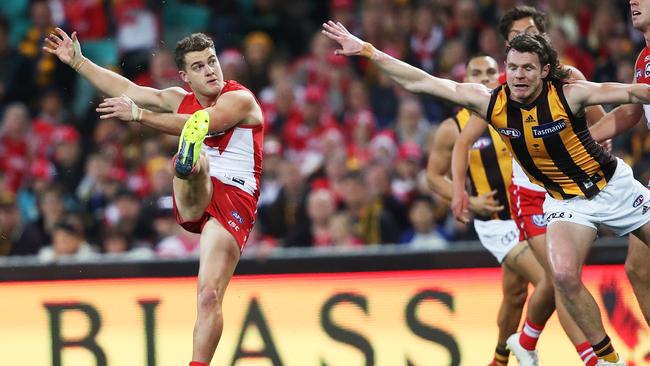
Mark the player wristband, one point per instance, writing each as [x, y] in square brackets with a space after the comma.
[136, 112]
[76, 66]
[367, 50]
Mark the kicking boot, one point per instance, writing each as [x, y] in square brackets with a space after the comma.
[189, 144]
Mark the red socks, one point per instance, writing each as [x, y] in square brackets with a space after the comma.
[530, 335]
[197, 363]
[587, 354]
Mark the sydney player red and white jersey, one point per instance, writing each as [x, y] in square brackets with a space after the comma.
[234, 155]
[642, 75]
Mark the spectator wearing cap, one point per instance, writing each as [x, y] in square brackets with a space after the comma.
[68, 242]
[41, 176]
[407, 167]
[258, 50]
[304, 133]
[67, 158]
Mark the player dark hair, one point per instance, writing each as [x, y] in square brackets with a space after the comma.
[520, 12]
[193, 43]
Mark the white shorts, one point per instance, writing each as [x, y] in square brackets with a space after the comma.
[622, 205]
[497, 236]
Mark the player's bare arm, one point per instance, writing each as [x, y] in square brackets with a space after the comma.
[439, 160]
[460, 201]
[475, 97]
[617, 121]
[593, 113]
[581, 94]
[68, 50]
[234, 108]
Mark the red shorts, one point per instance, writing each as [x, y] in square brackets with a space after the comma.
[526, 208]
[233, 208]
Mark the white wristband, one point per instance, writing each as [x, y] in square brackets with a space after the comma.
[136, 112]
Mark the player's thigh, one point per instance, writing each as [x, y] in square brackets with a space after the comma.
[219, 255]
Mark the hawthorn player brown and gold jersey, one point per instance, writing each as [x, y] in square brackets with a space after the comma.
[552, 145]
[490, 166]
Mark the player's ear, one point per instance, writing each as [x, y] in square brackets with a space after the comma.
[183, 76]
[545, 70]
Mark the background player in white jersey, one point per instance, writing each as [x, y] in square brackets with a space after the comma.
[219, 203]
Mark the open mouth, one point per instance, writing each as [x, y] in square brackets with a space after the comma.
[635, 13]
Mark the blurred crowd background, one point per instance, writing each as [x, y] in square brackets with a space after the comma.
[345, 149]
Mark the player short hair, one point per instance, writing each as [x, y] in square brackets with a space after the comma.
[195, 42]
[520, 12]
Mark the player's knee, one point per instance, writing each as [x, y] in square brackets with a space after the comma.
[208, 298]
[636, 271]
[566, 280]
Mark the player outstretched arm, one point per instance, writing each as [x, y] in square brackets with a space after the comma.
[459, 162]
[472, 96]
[231, 109]
[68, 50]
[581, 94]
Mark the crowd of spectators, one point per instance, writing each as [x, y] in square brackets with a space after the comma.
[345, 149]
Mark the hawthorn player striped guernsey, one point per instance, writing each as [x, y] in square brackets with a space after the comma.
[490, 166]
[552, 145]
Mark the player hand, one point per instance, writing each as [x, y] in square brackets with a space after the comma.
[67, 49]
[121, 107]
[485, 204]
[352, 45]
[459, 204]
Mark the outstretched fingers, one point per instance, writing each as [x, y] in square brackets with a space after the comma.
[62, 34]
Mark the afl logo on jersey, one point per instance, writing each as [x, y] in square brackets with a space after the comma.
[510, 133]
[482, 143]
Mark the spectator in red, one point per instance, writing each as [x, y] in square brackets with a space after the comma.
[15, 148]
[52, 113]
[87, 17]
[360, 124]
[304, 132]
[408, 165]
[41, 176]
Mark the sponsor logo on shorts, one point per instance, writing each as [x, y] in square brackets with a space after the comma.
[509, 237]
[557, 215]
[645, 209]
[237, 216]
[539, 220]
[482, 143]
[510, 133]
[549, 129]
[638, 201]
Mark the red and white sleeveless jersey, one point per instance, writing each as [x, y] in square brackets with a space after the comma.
[234, 155]
[642, 75]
